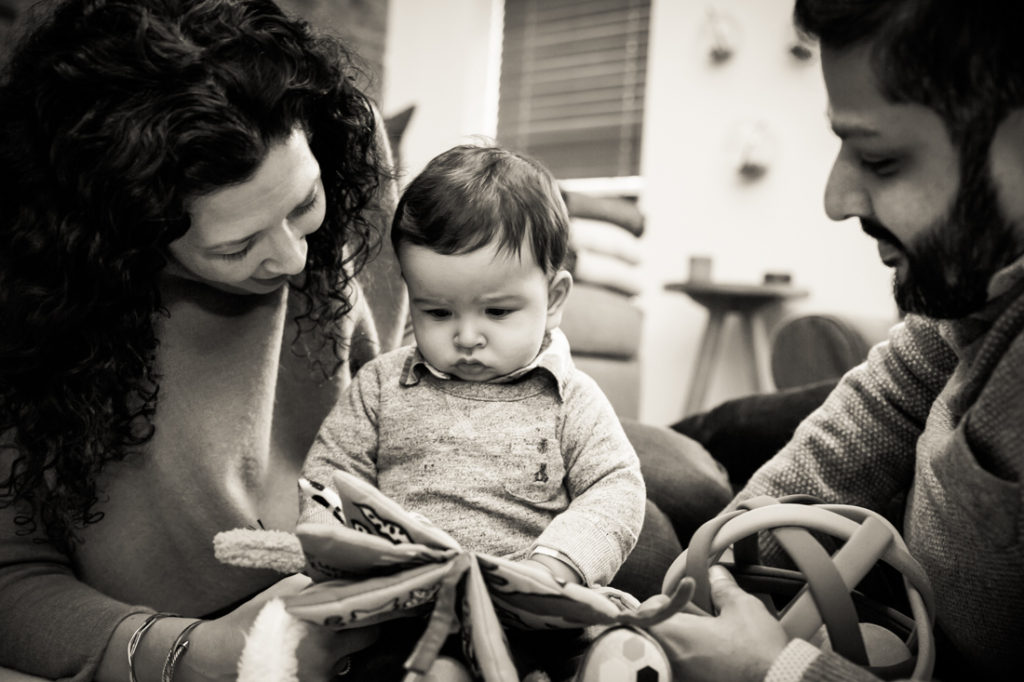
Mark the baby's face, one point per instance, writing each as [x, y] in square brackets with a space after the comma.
[478, 315]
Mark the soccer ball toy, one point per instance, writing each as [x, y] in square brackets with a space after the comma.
[624, 654]
[819, 601]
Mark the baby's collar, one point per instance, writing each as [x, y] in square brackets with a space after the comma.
[554, 358]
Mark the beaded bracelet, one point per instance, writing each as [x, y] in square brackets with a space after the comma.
[136, 638]
[178, 650]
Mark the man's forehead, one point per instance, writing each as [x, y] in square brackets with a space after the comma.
[859, 110]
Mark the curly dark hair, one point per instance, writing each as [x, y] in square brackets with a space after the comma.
[114, 114]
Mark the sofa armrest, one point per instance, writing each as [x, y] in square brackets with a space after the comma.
[809, 348]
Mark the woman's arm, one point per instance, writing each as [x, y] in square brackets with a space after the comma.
[216, 645]
[51, 624]
[55, 627]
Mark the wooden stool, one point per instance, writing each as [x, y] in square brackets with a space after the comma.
[746, 300]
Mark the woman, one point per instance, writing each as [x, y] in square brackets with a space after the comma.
[187, 188]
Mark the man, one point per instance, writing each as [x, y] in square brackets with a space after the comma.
[927, 97]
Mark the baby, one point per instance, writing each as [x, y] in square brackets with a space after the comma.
[485, 426]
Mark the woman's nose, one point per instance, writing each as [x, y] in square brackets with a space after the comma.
[288, 251]
[845, 196]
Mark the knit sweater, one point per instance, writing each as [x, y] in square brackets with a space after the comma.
[237, 412]
[535, 459]
[935, 416]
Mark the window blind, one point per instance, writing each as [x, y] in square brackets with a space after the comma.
[572, 84]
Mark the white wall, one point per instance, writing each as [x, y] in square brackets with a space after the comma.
[441, 56]
[696, 203]
[444, 57]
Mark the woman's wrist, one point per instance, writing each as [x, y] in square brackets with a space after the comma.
[154, 649]
[150, 652]
[178, 649]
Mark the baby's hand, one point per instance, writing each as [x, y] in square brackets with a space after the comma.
[559, 569]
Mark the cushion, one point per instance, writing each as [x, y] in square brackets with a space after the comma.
[598, 321]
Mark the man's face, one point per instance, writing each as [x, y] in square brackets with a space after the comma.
[898, 172]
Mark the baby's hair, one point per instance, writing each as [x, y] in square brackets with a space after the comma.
[473, 195]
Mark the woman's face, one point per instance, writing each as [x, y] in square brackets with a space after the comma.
[251, 237]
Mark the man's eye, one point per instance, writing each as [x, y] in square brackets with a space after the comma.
[881, 167]
[499, 312]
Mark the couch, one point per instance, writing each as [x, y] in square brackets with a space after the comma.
[601, 318]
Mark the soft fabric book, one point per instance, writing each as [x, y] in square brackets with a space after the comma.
[379, 562]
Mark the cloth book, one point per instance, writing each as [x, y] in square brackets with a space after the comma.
[379, 562]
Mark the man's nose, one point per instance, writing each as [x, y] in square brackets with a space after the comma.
[845, 196]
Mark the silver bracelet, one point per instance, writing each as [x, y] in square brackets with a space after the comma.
[178, 650]
[136, 638]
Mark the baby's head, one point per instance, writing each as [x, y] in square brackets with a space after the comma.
[481, 235]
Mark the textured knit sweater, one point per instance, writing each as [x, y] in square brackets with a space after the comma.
[237, 411]
[935, 415]
[537, 458]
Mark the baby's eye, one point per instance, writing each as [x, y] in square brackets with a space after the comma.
[438, 313]
[499, 312]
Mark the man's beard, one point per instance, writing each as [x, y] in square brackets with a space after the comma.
[950, 265]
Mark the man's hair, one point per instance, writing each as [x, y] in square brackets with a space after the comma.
[471, 196]
[114, 116]
[962, 59]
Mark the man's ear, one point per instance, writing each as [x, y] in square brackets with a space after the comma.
[558, 293]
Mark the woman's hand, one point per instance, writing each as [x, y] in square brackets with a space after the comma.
[738, 644]
[216, 645]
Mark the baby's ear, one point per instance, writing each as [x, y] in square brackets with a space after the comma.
[558, 293]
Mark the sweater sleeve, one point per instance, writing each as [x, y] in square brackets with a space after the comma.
[347, 440]
[801, 661]
[859, 446]
[601, 525]
[51, 624]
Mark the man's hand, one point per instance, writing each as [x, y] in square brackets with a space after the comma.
[739, 644]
